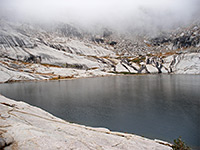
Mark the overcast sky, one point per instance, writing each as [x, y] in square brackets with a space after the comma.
[131, 14]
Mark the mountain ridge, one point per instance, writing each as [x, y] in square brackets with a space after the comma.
[33, 52]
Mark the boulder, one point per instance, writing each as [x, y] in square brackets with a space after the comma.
[4, 77]
[152, 69]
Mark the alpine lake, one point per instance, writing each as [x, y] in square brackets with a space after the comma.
[154, 106]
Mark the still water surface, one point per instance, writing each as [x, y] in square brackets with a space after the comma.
[155, 106]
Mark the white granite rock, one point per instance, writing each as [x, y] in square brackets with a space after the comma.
[33, 53]
[4, 76]
[23, 126]
[188, 64]
[152, 69]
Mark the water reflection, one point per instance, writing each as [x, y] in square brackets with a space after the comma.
[155, 106]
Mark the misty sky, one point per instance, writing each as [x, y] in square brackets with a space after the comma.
[131, 14]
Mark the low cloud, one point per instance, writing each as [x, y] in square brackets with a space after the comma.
[117, 14]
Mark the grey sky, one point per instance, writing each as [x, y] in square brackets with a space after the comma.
[131, 14]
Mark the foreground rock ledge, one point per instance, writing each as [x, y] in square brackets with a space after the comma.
[23, 126]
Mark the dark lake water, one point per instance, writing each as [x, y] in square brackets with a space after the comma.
[155, 106]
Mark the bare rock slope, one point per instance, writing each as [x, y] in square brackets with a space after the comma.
[35, 53]
[23, 126]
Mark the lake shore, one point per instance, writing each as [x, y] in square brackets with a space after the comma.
[23, 126]
[183, 64]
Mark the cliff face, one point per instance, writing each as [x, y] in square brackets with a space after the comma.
[23, 126]
[35, 53]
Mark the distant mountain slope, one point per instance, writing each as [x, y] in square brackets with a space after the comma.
[33, 52]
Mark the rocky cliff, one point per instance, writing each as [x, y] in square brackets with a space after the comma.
[33, 52]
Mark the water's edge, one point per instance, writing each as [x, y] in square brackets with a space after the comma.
[184, 89]
[18, 116]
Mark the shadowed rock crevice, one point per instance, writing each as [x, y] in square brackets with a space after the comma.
[6, 141]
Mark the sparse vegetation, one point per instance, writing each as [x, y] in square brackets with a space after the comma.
[121, 72]
[138, 60]
[180, 145]
[61, 77]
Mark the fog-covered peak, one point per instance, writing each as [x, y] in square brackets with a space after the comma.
[126, 15]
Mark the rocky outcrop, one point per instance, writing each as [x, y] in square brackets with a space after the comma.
[188, 63]
[23, 126]
[34, 53]
[179, 39]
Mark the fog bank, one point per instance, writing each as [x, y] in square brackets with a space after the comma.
[117, 14]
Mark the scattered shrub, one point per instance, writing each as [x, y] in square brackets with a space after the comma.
[180, 145]
[138, 60]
